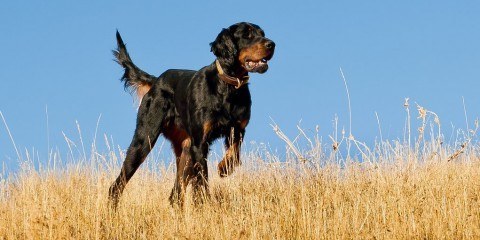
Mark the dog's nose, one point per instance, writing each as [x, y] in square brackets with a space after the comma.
[270, 45]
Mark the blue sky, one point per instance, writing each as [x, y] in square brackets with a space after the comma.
[57, 55]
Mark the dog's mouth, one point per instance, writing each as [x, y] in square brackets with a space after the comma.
[257, 65]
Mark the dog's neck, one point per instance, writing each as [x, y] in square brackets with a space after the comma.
[236, 80]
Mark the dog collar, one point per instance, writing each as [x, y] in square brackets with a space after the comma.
[229, 79]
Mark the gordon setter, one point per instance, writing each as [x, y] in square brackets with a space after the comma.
[194, 108]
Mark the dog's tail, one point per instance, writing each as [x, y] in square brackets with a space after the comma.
[135, 80]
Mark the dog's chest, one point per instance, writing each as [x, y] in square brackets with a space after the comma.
[232, 111]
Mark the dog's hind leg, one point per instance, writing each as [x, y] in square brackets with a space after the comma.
[150, 118]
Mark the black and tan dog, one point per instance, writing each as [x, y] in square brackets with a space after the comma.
[194, 108]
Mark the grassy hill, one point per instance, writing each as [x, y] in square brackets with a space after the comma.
[406, 189]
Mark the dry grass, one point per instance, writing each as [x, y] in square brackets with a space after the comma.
[392, 191]
[391, 199]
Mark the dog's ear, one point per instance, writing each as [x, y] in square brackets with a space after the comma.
[224, 48]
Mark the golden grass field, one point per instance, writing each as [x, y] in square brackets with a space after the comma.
[394, 190]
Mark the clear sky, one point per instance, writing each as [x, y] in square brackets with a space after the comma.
[56, 55]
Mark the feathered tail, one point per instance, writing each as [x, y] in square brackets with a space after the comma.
[135, 80]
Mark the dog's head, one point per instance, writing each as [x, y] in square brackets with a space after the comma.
[243, 45]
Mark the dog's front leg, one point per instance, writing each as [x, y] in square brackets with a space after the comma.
[200, 183]
[232, 154]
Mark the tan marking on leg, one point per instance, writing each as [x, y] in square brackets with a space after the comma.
[230, 160]
[243, 123]
[207, 128]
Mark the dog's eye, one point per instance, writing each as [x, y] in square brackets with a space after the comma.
[248, 35]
